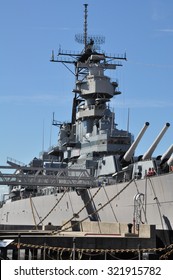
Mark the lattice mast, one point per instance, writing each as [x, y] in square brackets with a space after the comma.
[85, 24]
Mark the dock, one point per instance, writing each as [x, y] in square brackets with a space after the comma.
[96, 241]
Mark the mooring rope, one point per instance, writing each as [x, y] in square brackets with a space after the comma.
[78, 213]
[32, 209]
[53, 207]
[95, 212]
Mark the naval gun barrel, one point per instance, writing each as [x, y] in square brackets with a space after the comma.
[128, 155]
[150, 151]
[170, 161]
[167, 154]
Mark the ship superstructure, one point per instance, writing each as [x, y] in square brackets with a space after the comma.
[92, 133]
[92, 173]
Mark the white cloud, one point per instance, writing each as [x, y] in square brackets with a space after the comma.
[168, 30]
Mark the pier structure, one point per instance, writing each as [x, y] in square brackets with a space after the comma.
[95, 240]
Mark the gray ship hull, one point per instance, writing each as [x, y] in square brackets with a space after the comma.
[146, 201]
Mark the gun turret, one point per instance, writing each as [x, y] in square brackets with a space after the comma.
[150, 151]
[128, 155]
[167, 154]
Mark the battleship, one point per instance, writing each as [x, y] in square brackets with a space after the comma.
[92, 174]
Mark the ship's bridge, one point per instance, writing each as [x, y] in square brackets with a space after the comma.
[96, 84]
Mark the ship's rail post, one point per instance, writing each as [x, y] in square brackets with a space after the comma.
[18, 247]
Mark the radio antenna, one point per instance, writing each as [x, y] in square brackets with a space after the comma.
[87, 39]
[85, 25]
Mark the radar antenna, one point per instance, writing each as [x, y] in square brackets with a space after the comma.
[88, 39]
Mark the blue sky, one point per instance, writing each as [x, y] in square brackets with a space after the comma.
[32, 88]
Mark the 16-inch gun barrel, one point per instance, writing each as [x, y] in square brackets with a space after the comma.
[167, 154]
[128, 155]
[170, 161]
[150, 151]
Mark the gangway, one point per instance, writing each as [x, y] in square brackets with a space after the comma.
[56, 177]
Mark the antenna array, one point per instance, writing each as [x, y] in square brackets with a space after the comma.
[84, 38]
